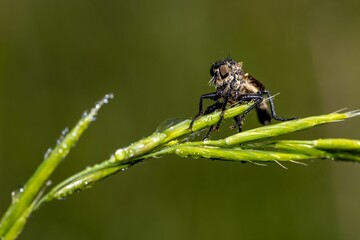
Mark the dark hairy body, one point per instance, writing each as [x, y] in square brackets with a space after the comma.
[233, 85]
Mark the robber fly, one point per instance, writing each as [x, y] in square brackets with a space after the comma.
[233, 85]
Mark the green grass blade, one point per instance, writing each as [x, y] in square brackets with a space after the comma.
[32, 188]
[282, 128]
[159, 138]
[165, 142]
[237, 154]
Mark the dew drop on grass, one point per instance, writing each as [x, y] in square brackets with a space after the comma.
[63, 134]
[65, 131]
[48, 183]
[181, 153]
[47, 153]
[103, 101]
[84, 115]
[206, 155]
[16, 193]
[120, 154]
[109, 96]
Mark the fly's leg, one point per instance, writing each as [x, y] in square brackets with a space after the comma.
[212, 108]
[272, 108]
[207, 136]
[213, 96]
[258, 99]
[238, 123]
[222, 114]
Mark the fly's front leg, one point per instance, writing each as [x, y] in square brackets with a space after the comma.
[209, 110]
[222, 114]
[212, 108]
[213, 96]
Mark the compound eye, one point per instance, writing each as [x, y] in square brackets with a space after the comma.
[224, 71]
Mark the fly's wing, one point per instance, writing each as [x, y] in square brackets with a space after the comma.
[262, 109]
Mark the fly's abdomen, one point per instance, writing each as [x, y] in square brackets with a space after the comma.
[263, 114]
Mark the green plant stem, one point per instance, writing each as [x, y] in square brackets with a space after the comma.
[223, 149]
[282, 128]
[271, 151]
[82, 180]
[147, 144]
[19, 223]
[20, 208]
[127, 156]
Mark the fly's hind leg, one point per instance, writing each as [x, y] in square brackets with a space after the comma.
[258, 98]
[272, 108]
[238, 123]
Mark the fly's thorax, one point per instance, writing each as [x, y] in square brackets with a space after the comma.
[247, 87]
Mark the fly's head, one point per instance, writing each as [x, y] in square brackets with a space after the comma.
[224, 72]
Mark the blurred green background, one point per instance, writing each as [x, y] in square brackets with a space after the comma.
[58, 57]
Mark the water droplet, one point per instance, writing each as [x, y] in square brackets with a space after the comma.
[65, 131]
[206, 155]
[120, 154]
[48, 183]
[131, 153]
[47, 153]
[16, 194]
[181, 153]
[87, 185]
[60, 150]
[84, 115]
[109, 96]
